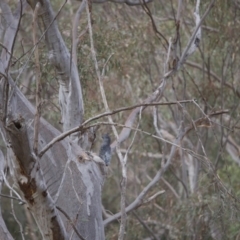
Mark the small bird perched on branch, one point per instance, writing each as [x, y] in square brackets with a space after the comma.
[105, 152]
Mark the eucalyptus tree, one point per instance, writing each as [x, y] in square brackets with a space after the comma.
[56, 175]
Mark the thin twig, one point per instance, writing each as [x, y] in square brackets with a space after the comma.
[171, 188]
[153, 197]
[16, 219]
[71, 222]
[145, 225]
[10, 187]
[2, 45]
[159, 34]
[14, 198]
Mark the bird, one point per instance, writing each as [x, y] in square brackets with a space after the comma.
[105, 152]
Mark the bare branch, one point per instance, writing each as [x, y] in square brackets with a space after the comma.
[80, 128]
[124, 186]
[202, 122]
[159, 34]
[16, 219]
[2, 45]
[171, 188]
[153, 197]
[14, 198]
[139, 199]
[71, 222]
[38, 81]
[194, 40]
[13, 24]
[128, 2]
[182, 132]
[75, 39]
[145, 225]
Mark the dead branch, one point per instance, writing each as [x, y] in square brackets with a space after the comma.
[38, 81]
[81, 127]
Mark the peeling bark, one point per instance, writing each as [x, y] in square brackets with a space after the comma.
[65, 172]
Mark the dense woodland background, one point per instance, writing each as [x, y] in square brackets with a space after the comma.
[201, 186]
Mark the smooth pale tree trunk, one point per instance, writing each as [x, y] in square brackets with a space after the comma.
[63, 187]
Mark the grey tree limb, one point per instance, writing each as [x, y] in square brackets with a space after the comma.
[70, 91]
[175, 145]
[128, 2]
[81, 184]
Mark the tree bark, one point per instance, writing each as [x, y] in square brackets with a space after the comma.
[63, 187]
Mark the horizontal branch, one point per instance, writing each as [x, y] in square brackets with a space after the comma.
[81, 127]
[128, 2]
